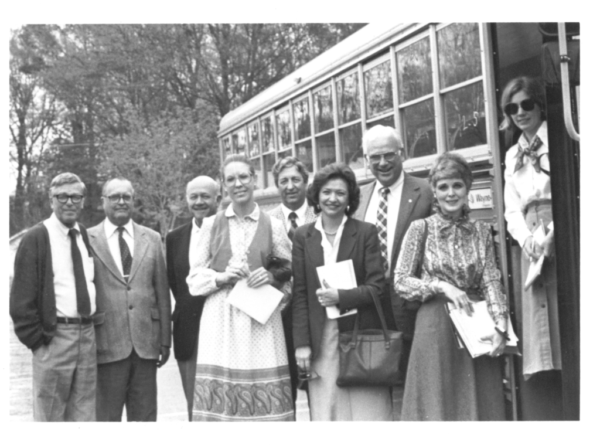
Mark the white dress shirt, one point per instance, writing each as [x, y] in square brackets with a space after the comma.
[330, 252]
[525, 185]
[301, 213]
[112, 236]
[62, 268]
[194, 241]
[393, 204]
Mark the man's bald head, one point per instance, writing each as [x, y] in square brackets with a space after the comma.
[203, 197]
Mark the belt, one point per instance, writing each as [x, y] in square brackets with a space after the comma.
[535, 204]
[82, 320]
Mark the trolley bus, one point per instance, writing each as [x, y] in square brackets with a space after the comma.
[439, 85]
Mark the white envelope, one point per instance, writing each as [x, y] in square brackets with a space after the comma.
[258, 303]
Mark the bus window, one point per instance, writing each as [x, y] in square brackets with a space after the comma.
[254, 145]
[419, 122]
[267, 134]
[348, 99]
[304, 153]
[325, 150]
[301, 119]
[465, 117]
[260, 183]
[239, 141]
[388, 121]
[459, 53]
[323, 110]
[378, 87]
[284, 134]
[269, 163]
[414, 71]
[226, 145]
[351, 141]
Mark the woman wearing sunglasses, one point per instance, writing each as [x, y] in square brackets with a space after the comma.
[242, 371]
[528, 203]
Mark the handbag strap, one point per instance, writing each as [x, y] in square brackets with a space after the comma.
[386, 334]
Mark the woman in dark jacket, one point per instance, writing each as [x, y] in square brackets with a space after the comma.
[334, 237]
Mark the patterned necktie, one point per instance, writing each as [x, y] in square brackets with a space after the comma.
[293, 225]
[530, 152]
[381, 225]
[81, 290]
[126, 258]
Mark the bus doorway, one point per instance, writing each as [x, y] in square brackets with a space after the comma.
[531, 49]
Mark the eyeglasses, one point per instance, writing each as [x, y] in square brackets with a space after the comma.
[244, 179]
[64, 198]
[376, 159]
[513, 108]
[116, 198]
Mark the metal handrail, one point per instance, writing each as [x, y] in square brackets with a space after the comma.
[566, 88]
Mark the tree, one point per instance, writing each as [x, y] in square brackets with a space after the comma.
[160, 156]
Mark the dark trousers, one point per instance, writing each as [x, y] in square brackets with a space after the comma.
[130, 382]
[291, 353]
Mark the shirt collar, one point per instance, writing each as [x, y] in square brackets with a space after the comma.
[229, 213]
[195, 227]
[446, 223]
[111, 229]
[394, 188]
[542, 133]
[61, 227]
[301, 212]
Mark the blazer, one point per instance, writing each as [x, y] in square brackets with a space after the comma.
[188, 309]
[134, 314]
[415, 203]
[32, 298]
[360, 244]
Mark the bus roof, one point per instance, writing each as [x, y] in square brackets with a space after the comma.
[345, 54]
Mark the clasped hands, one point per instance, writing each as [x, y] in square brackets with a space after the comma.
[534, 250]
[237, 271]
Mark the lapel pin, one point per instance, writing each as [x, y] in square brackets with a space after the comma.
[410, 200]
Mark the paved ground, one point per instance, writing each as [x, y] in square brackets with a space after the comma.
[171, 401]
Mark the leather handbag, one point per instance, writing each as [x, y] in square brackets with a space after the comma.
[370, 357]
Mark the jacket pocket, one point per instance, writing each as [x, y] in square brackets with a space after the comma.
[99, 318]
[154, 313]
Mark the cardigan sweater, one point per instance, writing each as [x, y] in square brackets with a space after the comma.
[32, 298]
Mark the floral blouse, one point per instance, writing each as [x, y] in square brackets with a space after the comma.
[459, 252]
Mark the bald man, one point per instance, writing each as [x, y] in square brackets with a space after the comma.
[203, 197]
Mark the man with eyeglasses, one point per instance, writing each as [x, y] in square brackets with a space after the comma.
[391, 202]
[203, 198]
[134, 309]
[52, 301]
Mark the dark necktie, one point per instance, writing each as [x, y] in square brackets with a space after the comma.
[293, 225]
[126, 258]
[381, 225]
[530, 152]
[83, 297]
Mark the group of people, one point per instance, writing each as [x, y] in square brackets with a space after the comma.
[412, 244]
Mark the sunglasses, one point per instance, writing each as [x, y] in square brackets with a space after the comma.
[513, 108]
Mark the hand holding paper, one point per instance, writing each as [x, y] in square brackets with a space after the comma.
[333, 277]
[258, 303]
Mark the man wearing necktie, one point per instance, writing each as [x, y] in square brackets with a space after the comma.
[133, 330]
[203, 198]
[52, 300]
[291, 178]
[392, 202]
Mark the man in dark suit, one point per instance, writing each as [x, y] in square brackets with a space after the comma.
[291, 179]
[134, 338]
[203, 197]
[393, 201]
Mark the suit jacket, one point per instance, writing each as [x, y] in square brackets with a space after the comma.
[134, 314]
[360, 244]
[277, 212]
[415, 203]
[188, 309]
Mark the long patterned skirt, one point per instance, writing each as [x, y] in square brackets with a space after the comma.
[242, 372]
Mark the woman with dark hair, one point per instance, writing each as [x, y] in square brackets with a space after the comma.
[528, 202]
[335, 237]
[242, 371]
[449, 258]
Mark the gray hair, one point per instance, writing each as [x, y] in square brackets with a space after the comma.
[120, 178]
[289, 161]
[382, 131]
[66, 178]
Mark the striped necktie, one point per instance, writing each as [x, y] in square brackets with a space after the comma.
[381, 225]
